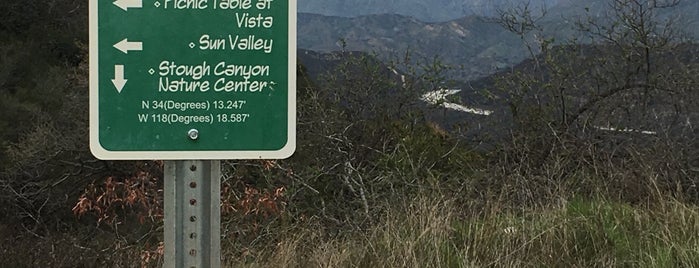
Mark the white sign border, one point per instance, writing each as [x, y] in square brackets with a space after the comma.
[104, 154]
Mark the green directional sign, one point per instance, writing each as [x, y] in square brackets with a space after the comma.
[192, 79]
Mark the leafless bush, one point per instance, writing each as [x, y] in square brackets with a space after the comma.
[599, 117]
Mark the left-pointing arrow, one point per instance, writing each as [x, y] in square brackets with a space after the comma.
[119, 81]
[126, 46]
[126, 4]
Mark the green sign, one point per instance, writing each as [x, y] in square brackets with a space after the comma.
[192, 79]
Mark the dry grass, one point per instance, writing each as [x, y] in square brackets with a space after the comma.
[429, 232]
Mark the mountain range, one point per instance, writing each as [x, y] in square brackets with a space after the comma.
[429, 11]
[473, 46]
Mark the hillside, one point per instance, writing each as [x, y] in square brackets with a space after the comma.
[600, 98]
[483, 107]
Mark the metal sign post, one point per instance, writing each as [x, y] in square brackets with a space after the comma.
[179, 80]
[192, 214]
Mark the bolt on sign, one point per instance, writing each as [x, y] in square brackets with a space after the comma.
[192, 79]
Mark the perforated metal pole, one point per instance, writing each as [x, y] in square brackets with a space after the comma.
[192, 214]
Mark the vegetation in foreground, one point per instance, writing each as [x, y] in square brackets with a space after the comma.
[431, 232]
[373, 182]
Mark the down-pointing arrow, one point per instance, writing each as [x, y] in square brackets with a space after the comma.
[119, 81]
[126, 46]
[126, 4]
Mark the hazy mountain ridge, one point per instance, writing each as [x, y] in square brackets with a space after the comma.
[478, 46]
[446, 10]
[431, 11]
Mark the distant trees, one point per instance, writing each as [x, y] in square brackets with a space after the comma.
[623, 93]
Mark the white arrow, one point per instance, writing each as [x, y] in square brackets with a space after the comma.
[126, 4]
[119, 81]
[126, 46]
